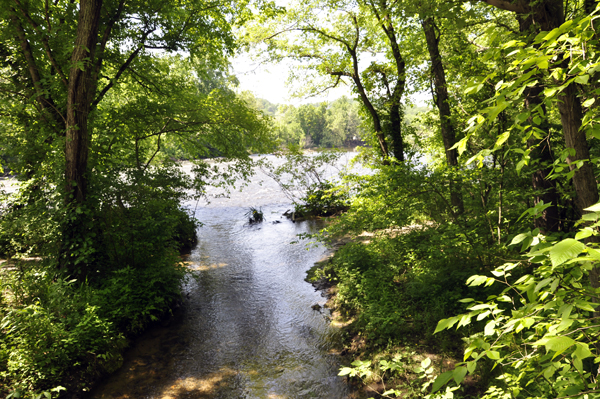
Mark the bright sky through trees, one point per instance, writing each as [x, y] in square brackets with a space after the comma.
[268, 81]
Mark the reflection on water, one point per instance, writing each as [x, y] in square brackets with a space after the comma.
[247, 329]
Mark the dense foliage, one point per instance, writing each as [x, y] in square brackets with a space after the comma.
[514, 87]
[98, 98]
[97, 101]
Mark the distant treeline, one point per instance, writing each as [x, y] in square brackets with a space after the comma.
[339, 123]
[333, 124]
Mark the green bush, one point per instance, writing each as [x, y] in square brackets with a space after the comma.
[66, 327]
[132, 298]
[322, 200]
[53, 333]
[396, 288]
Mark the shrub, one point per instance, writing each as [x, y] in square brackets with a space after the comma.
[53, 333]
[322, 200]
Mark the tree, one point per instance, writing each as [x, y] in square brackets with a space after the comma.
[549, 15]
[313, 121]
[442, 102]
[332, 39]
[288, 126]
[343, 122]
[63, 59]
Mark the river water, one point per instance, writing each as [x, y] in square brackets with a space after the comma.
[247, 328]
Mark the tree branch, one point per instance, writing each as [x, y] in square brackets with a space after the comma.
[105, 37]
[45, 43]
[122, 69]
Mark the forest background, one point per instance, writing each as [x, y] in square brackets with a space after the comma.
[495, 185]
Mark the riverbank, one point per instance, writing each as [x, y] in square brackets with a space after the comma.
[388, 348]
[60, 335]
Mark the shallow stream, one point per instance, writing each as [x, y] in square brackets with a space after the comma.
[247, 329]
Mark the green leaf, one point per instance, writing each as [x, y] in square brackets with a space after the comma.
[551, 91]
[589, 102]
[522, 117]
[445, 323]
[542, 64]
[582, 79]
[528, 322]
[471, 366]
[583, 234]
[549, 371]
[542, 284]
[476, 280]
[502, 139]
[459, 374]
[494, 355]
[559, 344]
[462, 145]
[565, 250]
[582, 351]
[593, 208]
[490, 328]
[594, 253]
[551, 36]
[483, 315]
[585, 305]
[442, 380]
[493, 112]
[518, 238]
[480, 306]
[426, 363]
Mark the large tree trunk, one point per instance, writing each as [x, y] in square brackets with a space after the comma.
[583, 179]
[541, 153]
[550, 14]
[398, 91]
[438, 76]
[79, 99]
[373, 112]
[74, 250]
[355, 75]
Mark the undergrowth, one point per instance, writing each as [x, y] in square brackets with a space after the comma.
[61, 329]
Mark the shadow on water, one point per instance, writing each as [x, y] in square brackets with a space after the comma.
[247, 329]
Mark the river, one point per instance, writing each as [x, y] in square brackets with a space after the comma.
[247, 328]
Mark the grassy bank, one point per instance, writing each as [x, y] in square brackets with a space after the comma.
[388, 290]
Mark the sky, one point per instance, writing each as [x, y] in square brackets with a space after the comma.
[269, 82]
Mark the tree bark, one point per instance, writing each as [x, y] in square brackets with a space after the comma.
[80, 93]
[583, 179]
[549, 14]
[395, 94]
[79, 97]
[438, 76]
[540, 152]
[396, 131]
